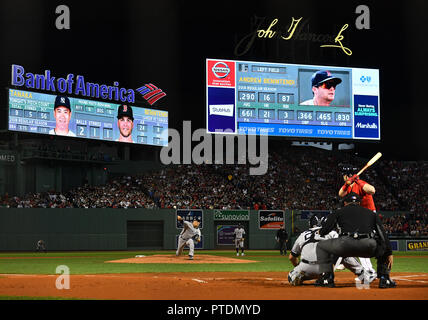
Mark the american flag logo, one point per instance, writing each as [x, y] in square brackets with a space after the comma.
[151, 93]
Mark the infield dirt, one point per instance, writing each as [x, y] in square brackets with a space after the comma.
[210, 286]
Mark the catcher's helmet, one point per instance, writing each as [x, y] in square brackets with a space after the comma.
[316, 221]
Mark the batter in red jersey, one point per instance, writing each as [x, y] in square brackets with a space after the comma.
[353, 183]
[360, 187]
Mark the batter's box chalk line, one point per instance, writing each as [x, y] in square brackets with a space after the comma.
[200, 281]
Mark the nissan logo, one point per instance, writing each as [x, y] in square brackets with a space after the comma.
[220, 70]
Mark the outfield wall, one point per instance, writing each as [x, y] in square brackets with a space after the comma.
[106, 229]
[109, 229]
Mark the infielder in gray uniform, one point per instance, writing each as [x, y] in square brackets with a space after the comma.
[239, 239]
[188, 235]
[305, 247]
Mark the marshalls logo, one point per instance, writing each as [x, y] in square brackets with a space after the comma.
[221, 70]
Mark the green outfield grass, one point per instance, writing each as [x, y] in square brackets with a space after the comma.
[95, 262]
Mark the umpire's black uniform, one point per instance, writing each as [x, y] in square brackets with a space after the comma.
[282, 238]
[361, 235]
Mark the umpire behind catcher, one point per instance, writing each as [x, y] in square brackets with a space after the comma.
[361, 235]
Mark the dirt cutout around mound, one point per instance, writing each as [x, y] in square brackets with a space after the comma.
[162, 258]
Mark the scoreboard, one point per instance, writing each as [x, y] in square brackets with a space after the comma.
[275, 99]
[33, 112]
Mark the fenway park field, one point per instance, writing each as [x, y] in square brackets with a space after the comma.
[212, 275]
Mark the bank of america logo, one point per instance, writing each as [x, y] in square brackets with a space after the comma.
[151, 93]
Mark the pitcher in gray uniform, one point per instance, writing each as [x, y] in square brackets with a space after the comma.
[188, 235]
[305, 247]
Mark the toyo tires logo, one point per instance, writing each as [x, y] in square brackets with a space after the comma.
[221, 70]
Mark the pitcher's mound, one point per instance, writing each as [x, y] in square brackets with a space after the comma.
[163, 258]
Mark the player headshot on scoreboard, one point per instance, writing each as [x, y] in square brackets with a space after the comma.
[323, 88]
[125, 123]
[62, 114]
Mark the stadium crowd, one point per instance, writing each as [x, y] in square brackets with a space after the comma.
[406, 224]
[305, 179]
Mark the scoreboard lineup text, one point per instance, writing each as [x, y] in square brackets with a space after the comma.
[268, 98]
[33, 112]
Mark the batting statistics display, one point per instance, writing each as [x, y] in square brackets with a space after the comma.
[34, 112]
[291, 100]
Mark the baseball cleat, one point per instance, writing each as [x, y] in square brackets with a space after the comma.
[298, 279]
[325, 280]
[190, 257]
[242, 254]
[340, 267]
[237, 254]
[386, 282]
[372, 276]
[366, 277]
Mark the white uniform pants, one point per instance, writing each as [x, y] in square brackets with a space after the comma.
[182, 243]
[239, 243]
[312, 271]
[367, 264]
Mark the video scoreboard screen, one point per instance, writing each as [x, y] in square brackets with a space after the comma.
[33, 112]
[292, 100]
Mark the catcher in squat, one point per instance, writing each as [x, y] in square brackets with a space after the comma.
[305, 246]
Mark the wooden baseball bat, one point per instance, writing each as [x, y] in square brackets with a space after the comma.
[371, 161]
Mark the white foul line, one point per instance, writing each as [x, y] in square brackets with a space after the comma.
[411, 276]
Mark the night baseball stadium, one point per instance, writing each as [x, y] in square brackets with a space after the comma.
[217, 159]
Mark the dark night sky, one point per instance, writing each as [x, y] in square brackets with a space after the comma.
[167, 42]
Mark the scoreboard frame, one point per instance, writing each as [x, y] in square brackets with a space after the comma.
[356, 117]
[96, 118]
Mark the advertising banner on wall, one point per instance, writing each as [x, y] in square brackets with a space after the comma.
[271, 219]
[189, 215]
[232, 215]
[225, 235]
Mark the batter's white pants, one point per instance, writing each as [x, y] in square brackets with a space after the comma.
[367, 264]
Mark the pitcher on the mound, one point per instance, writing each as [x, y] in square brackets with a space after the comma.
[188, 236]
